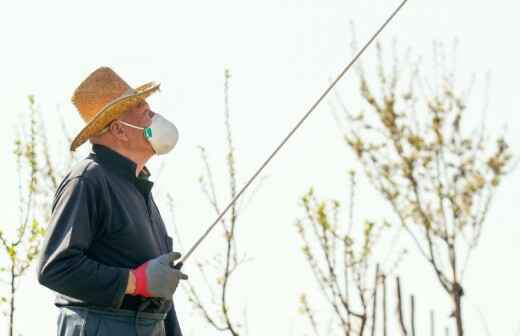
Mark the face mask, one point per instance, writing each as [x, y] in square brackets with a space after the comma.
[161, 134]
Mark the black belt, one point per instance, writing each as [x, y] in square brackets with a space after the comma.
[155, 305]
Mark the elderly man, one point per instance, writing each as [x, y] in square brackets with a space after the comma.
[107, 253]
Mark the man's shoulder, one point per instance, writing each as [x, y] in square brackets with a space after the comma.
[85, 176]
[88, 170]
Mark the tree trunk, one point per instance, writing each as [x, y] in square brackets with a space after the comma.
[400, 307]
[374, 303]
[412, 315]
[457, 305]
[432, 323]
[11, 310]
[385, 307]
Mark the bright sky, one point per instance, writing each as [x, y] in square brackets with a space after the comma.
[281, 54]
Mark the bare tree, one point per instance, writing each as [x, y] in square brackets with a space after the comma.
[37, 180]
[343, 260]
[216, 311]
[437, 171]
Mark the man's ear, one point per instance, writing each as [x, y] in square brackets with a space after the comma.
[117, 131]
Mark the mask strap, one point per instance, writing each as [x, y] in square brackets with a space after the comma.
[147, 131]
[130, 125]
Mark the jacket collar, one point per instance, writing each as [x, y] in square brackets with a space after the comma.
[122, 166]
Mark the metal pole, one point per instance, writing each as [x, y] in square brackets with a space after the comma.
[331, 86]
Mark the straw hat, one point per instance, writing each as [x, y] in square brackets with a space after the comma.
[102, 97]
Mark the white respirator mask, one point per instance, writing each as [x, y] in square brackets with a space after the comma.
[161, 134]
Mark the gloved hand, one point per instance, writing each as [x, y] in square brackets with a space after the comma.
[157, 277]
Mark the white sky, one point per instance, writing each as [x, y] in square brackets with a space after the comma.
[281, 54]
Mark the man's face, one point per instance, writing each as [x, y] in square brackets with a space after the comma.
[140, 115]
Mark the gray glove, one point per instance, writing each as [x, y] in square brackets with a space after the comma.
[157, 277]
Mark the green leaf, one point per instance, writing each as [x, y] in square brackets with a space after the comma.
[11, 251]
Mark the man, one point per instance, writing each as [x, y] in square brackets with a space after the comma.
[106, 252]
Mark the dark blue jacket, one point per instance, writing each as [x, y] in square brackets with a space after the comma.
[104, 222]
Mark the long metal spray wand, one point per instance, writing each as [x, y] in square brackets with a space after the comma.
[331, 86]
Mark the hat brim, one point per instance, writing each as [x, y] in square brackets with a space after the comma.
[111, 111]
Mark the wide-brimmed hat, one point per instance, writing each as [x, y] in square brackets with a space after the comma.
[102, 97]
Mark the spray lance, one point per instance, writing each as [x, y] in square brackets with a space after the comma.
[313, 107]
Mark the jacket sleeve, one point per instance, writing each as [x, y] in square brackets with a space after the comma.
[63, 265]
[171, 323]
